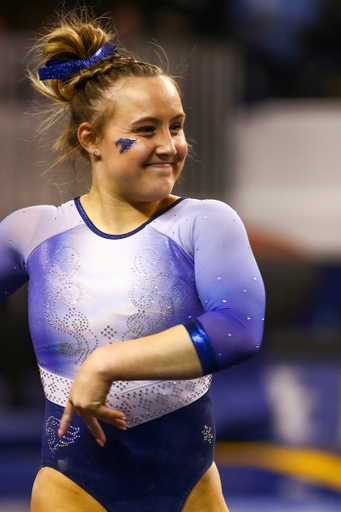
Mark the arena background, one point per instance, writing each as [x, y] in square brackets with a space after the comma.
[262, 91]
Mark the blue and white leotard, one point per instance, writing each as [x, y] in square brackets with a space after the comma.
[191, 264]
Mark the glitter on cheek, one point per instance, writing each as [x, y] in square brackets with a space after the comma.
[125, 143]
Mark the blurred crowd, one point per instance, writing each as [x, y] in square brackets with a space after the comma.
[291, 48]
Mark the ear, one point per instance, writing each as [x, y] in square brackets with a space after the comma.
[86, 137]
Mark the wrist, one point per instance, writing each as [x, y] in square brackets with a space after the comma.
[103, 360]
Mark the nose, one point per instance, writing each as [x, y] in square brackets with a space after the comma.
[165, 144]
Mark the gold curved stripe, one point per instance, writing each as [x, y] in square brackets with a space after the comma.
[311, 465]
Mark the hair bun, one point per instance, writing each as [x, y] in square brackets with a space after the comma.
[75, 36]
[65, 68]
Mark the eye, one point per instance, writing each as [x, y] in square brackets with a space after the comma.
[176, 127]
[146, 129]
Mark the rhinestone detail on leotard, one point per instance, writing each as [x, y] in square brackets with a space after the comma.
[51, 429]
[140, 401]
[68, 293]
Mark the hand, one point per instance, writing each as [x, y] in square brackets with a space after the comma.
[87, 398]
[168, 355]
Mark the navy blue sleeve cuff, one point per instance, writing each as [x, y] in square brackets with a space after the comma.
[203, 347]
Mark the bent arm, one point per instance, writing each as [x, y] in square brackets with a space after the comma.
[165, 356]
[230, 288]
[232, 293]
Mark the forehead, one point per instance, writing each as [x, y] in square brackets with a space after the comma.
[146, 96]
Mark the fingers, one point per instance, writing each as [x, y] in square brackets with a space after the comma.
[115, 418]
[68, 415]
[91, 418]
[95, 428]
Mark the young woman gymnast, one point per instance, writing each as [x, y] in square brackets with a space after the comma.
[136, 296]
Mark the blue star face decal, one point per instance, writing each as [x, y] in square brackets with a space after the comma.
[125, 144]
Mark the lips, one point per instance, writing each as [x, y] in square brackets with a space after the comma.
[164, 165]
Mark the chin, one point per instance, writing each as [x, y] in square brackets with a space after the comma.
[159, 193]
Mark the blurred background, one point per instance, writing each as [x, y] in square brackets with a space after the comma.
[262, 91]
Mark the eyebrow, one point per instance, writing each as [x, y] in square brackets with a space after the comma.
[155, 119]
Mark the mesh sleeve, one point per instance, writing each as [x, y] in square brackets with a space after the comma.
[12, 264]
[230, 287]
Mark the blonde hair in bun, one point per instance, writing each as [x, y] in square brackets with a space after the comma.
[84, 97]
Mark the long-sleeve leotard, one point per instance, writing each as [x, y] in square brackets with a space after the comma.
[191, 264]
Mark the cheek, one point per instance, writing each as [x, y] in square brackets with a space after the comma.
[182, 149]
[141, 150]
[125, 143]
[132, 148]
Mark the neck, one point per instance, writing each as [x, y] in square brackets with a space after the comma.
[116, 217]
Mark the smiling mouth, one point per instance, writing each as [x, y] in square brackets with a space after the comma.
[160, 164]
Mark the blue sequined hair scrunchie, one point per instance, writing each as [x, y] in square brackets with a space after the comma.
[63, 68]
